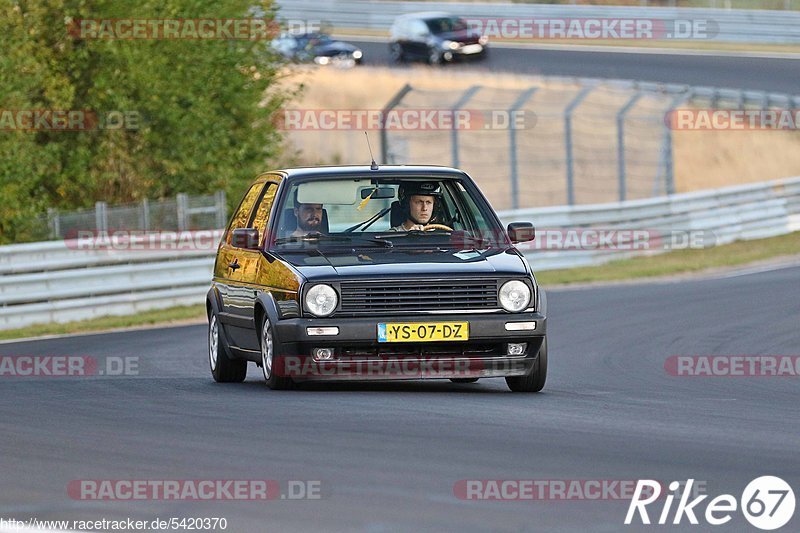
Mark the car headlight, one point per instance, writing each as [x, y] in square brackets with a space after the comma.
[450, 45]
[357, 54]
[514, 296]
[321, 300]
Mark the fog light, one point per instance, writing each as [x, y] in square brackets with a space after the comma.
[520, 326]
[517, 348]
[328, 330]
[322, 354]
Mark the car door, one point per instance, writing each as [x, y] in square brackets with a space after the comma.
[227, 270]
[246, 280]
[418, 39]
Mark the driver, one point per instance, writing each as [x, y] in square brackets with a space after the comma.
[418, 202]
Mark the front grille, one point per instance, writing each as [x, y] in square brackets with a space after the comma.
[421, 350]
[403, 297]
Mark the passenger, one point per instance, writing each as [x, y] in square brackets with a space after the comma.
[309, 219]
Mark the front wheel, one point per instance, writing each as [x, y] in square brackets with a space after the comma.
[534, 381]
[274, 381]
[223, 368]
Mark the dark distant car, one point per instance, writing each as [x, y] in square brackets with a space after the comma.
[397, 272]
[435, 38]
[319, 48]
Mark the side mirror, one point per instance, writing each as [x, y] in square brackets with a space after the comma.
[521, 232]
[246, 238]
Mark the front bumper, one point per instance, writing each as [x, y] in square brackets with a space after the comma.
[358, 355]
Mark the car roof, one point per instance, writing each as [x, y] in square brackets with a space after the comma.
[426, 15]
[392, 171]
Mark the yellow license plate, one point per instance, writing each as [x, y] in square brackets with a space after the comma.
[423, 331]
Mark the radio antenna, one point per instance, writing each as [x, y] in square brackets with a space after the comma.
[373, 165]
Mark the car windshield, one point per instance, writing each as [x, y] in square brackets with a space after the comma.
[445, 25]
[314, 39]
[386, 212]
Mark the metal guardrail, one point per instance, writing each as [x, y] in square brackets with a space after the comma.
[734, 25]
[59, 282]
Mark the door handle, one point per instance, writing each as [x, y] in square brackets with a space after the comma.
[234, 265]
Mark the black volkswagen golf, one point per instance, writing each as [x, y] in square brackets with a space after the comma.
[356, 273]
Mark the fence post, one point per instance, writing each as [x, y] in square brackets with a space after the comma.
[396, 99]
[54, 223]
[100, 216]
[145, 214]
[568, 141]
[669, 164]
[182, 204]
[222, 209]
[469, 93]
[512, 143]
[621, 142]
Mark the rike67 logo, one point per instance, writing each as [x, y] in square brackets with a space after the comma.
[767, 503]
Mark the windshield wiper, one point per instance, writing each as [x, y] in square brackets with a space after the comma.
[371, 220]
[317, 237]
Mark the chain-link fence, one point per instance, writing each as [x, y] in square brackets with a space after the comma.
[182, 213]
[560, 143]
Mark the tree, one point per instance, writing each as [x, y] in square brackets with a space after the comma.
[198, 112]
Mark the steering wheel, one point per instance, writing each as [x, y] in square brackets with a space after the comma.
[432, 227]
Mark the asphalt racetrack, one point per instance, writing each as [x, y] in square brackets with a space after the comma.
[778, 75]
[389, 456]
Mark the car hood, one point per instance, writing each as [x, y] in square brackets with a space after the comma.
[461, 36]
[403, 263]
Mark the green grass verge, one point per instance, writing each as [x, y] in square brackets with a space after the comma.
[677, 262]
[158, 316]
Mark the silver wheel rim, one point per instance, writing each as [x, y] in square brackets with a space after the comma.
[266, 350]
[213, 342]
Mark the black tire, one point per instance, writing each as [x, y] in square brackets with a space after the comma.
[534, 381]
[464, 380]
[396, 53]
[223, 368]
[434, 57]
[267, 343]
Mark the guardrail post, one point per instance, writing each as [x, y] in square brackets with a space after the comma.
[101, 216]
[396, 99]
[568, 141]
[145, 215]
[512, 143]
[469, 93]
[222, 209]
[182, 203]
[621, 142]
